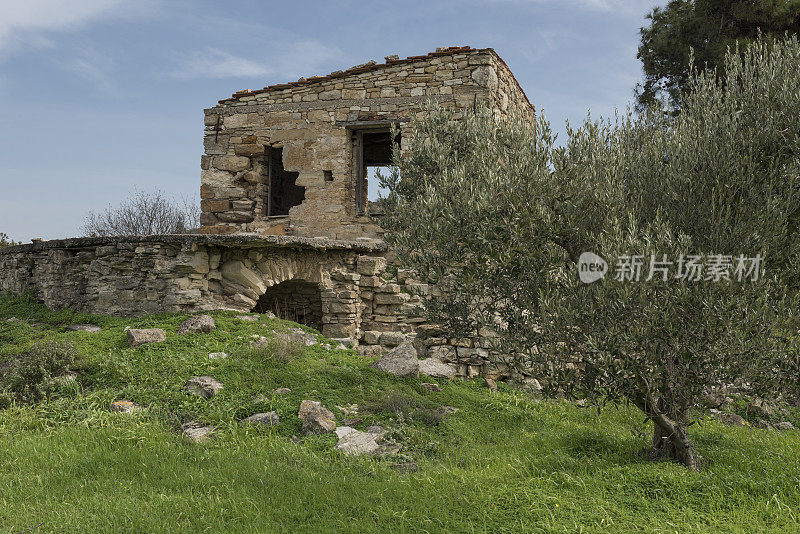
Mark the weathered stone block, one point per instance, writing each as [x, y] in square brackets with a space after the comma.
[249, 150]
[214, 206]
[137, 337]
[235, 217]
[371, 265]
[231, 163]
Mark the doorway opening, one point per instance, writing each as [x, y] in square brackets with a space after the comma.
[293, 300]
[282, 191]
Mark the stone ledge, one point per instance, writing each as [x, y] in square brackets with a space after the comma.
[240, 240]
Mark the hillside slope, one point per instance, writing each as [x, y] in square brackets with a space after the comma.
[504, 462]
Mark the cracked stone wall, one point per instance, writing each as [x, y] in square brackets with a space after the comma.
[312, 123]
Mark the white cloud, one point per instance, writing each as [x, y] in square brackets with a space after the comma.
[91, 66]
[214, 63]
[299, 58]
[26, 21]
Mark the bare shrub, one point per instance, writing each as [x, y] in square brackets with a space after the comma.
[144, 213]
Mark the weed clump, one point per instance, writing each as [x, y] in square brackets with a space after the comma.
[406, 409]
[37, 375]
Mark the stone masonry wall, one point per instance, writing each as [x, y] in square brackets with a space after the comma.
[311, 122]
[360, 300]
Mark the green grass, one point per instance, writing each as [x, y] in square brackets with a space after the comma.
[503, 463]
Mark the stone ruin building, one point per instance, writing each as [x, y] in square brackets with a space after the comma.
[287, 225]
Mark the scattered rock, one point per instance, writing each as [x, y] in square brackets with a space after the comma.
[197, 323]
[197, 432]
[531, 384]
[259, 399]
[437, 369]
[760, 408]
[581, 403]
[446, 410]
[763, 424]
[784, 425]
[281, 391]
[317, 419]
[264, 419]
[731, 419]
[124, 406]
[91, 328]
[340, 346]
[491, 384]
[350, 409]
[203, 386]
[431, 386]
[217, 355]
[352, 421]
[357, 443]
[13, 320]
[249, 318]
[714, 399]
[370, 351]
[137, 337]
[345, 341]
[401, 361]
[297, 335]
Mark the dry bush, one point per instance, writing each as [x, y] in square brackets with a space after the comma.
[144, 213]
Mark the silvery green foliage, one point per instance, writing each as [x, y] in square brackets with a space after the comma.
[497, 216]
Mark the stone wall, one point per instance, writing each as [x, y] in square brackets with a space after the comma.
[313, 122]
[131, 276]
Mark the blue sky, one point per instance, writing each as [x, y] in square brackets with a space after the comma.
[100, 96]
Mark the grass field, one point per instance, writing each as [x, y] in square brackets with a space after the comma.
[505, 462]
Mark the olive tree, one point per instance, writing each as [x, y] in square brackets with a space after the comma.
[500, 218]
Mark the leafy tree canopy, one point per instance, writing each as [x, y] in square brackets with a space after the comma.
[708, 28]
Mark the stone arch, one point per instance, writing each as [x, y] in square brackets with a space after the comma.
[293, 300]
[248, 277]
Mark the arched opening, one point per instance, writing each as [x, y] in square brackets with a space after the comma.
[293, 300]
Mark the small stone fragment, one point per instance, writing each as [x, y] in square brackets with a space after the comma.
[137, 336]
[437, 369]
[431, 386]
[357, 443]
[249, 318]
[264, 419]
[197, 432]
[124, 406]
[281, 391]
[91, 328]
[317, 419]
[784, 425]
[732, 419]
[203, 386]
[197, 323]
[446, 410]
[491, 384]
[217, 355]
[760, 408]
